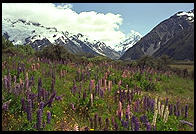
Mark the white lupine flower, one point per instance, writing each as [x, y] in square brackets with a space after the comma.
[159, 110]
[155, 105]
[162, 110]
[155, 118]
[166, 114]
[120, 106]
[91, 99]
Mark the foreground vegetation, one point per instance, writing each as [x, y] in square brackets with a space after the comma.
[55, 90]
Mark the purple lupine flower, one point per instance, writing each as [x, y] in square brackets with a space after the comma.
[84, 94]
[116, 126]
[46, 97]
[135, 122]
[186, 111]
[170, 109]
[5, 105]
[96, 89]
[39, 89]
[9, 77]
[32, 96]
[90, 86]
[8, 83]
[136, 106]
[59, 98]
[95, 121]
[91, 123]
[43, 124]
[144, 119]
[119, 114]
[39, 119]
[18, 72]
[101, 93]
[52, 85]
[152, 105]
[49, 103]
[128, 95]
[29, 110]
[23, 105]
[107, 123]
[32, 80]
[79, 91]
[41, 105]
[17, 89]
[100, 122]
[48, 117]
[175, 110]
[5, 82]
[145, 103]
[112, 121]
[126, 124]
[86, 129]
[22, 85]
[148, 126]
[122, 123]
[148, 103]
[186, 122]
[166, 102]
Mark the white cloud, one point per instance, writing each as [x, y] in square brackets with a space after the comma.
[98, 26]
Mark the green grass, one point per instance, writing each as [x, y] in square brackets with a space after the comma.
[64, 118]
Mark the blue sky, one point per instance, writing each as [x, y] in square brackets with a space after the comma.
[141, 17]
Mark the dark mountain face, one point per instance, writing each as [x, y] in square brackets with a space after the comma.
[173, 37]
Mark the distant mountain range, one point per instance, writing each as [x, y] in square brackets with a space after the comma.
[20, 31]
[173, 37]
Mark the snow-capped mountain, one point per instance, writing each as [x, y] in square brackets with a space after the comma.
[173, 37]
[131, 39]
[21, 31]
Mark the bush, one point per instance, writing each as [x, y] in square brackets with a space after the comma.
[55, 52]
[6, 43]
[26, 49]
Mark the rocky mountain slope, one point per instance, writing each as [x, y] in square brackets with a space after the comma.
[173, 37]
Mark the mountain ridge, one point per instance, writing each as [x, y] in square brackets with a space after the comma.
[153, 43]
[20, 31]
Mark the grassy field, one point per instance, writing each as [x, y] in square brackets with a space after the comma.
[182, 66]
[75, 106]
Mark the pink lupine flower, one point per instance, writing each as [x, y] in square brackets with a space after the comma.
[128, 111]
[120, 106]
[91, 99]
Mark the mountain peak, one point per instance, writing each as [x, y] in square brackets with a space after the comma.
[187, 15]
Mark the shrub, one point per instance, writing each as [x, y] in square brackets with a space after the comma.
[6, 43]
[55, 52]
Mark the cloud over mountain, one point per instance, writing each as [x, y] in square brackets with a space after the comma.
[98, 26]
